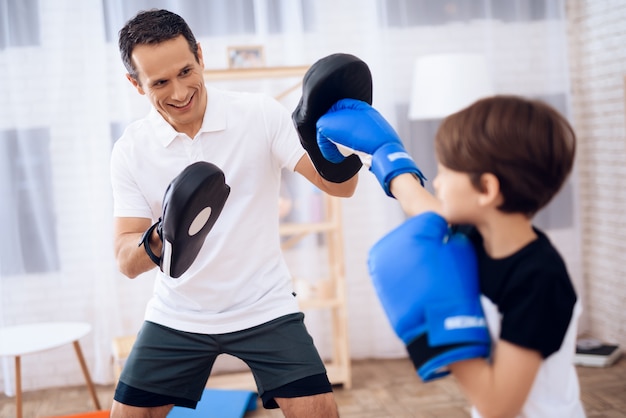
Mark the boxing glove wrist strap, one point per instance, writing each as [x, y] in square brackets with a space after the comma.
[431, 362]
[391, 160]
[145, 241]
[420, 351]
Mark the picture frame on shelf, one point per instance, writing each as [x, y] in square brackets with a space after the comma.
[246, 56]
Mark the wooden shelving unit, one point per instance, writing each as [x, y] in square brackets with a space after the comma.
[330, 292]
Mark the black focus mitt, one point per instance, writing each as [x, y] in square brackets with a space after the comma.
[192, 203]
[332, 78]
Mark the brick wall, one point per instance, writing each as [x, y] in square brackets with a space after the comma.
[597, 36]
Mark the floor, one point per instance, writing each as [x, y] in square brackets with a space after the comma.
[381, 388]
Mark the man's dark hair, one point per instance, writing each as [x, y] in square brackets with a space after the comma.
[150, 27]
[526, 144]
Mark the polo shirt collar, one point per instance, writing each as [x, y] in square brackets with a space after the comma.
[214, 119]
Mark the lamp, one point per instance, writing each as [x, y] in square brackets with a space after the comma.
[446, 83]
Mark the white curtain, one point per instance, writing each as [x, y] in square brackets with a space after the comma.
[64, 100]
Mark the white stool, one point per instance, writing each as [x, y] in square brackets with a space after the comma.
[19, 340]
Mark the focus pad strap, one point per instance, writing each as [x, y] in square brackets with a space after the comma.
[332, 78]
[192, 203]
[145, 241]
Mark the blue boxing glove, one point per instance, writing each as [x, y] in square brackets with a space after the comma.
[356, 125]
[427, 281]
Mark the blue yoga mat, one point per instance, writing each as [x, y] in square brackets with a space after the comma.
[219, 403]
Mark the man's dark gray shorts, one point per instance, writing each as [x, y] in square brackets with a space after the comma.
[167, 366]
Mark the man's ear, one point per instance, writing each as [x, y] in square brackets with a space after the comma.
[200, 59]
[490, 190]
[135, 84]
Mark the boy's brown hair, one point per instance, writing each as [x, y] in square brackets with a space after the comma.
[526, 144]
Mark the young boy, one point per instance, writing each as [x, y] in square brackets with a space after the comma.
[500, 161]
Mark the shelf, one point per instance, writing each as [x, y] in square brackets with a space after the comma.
[260, 73]
[318, 303]
[306, 228]
[255, 73]
[292, 233]
[328, 292]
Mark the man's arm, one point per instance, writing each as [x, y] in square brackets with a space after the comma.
[133, 260]
[345, 189]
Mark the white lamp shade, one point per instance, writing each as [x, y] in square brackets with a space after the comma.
[446, 83]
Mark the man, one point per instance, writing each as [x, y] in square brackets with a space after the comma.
[236, 297]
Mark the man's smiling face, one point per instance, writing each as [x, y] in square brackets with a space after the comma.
[173, 81]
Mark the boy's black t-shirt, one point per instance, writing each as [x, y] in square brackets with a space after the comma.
[532, 290]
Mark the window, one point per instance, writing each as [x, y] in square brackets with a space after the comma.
[24, 27]
[28, 243]
[406, 13]
[206, 18]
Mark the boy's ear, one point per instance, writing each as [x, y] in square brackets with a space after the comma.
[490, 190]
[135, 84]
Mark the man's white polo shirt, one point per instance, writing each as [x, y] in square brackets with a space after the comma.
[239, 279]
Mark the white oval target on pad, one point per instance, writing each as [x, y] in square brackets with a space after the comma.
[199, 221]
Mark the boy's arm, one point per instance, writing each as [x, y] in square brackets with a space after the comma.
[499, 388]
[357, 126]
[413, 197]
